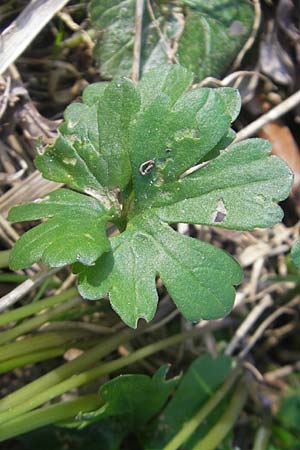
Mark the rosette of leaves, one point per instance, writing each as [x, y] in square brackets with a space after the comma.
[125, 153]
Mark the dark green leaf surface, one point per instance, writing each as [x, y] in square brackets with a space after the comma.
[214, 33]
[135, 399]
[115, 19]
[91, 153]
[143, 140]
[295, 254]
[198, 384]
[74, 231]
[209, 35]
[150, 248]
[106, 435]
[139, 404]
[285, 430]
[155, 409]
[236, 190]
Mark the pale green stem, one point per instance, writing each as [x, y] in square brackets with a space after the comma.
[189, 427]
[4, 258]
[12, 278]
[33, 308]
[86, 377]
[226, 422]
[41, 290]
[261, 440]
[65, 371]
[50, 414]
[35, 322]
[32, 358]
[42, 341]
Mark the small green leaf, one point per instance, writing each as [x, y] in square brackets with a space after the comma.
[135, 399]
[61, 240]
[289, 412]
[115, 19]
[196, 386]
[209, 35]
[214, 33]
[295, 254]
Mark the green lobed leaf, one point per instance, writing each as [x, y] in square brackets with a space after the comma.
[149, 248]
[91, 154]
[61, 240]
[179, 136]
[143, 406]
[143, 145]
[213, 35]
[235, 191]
[209, 35]
[115, 19]
[135, 399]
[154, 409]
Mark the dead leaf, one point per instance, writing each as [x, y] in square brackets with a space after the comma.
[284, 146]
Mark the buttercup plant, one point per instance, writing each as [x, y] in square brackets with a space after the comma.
[124, 154]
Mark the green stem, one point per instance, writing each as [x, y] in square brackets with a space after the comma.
[41, 290]
[4, 258]
[42, 341]
[189, 427]
[50, 414]
[65, 371]
[33, 308]
[261, 439]
[85, 377]
[220, 430]
[31, 358]
[35, 322]
[12, 278]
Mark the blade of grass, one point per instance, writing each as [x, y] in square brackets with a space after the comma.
[31, 402]
[42, 341]
[50, 414]
[32, 358]
[35, 322]
[189, 427]
[65, 371]
[219, 431]
[29, 310]
[20, 291]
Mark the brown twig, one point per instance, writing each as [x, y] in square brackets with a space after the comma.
[266, 323]
[20, 33]
[23, 289]
[251, 39]
[279, 110]
[139, 10]
[248, 323]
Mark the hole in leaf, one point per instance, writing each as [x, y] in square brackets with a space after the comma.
[236, 28]
[221, 212]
